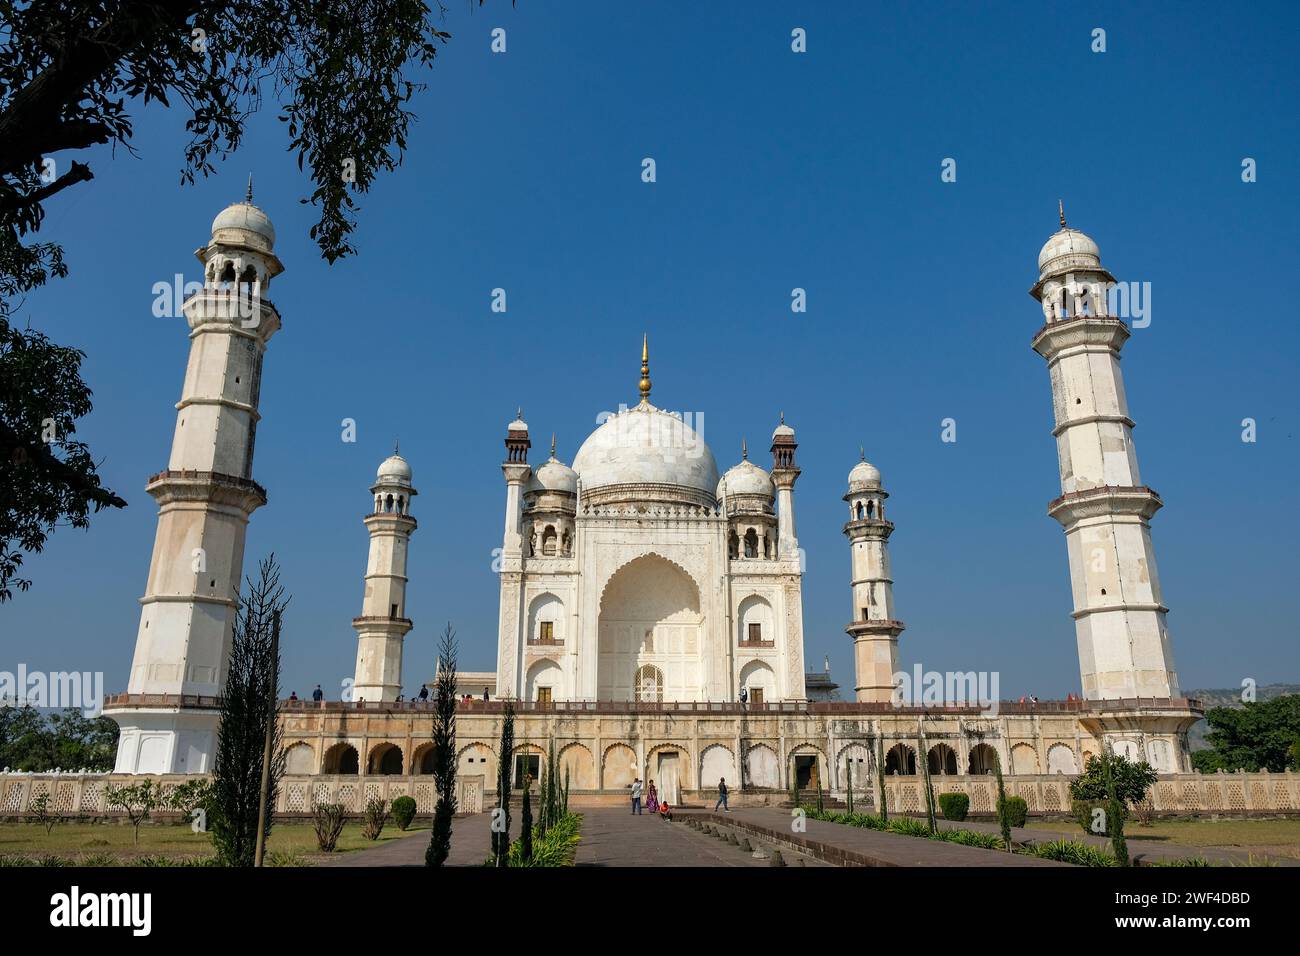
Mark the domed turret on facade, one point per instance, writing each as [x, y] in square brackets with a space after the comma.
[746, 479]
[394, 470]
[241, 250]
[246, 218]
[864, 477]
[555, 476]
[1071, 279]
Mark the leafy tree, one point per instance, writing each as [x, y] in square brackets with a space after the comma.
[444, 749]
[1256, 736]
[34, 742]
[1131, 779]
[46, 477]
[81, 741]
[343, 74]
[252, 683]
[190, 797]
[39, 810]
[24, 739]
[137, 801]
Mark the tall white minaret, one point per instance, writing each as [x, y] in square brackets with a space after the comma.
[873, 629]
[1105, 509]
[784, 474]
[510, 564]
[383, 624]
[169, 715]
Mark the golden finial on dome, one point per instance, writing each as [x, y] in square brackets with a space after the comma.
[1060, 204]
[744, 450]
[248, 197]
[862, 450]
[552, 444]
[645, 369]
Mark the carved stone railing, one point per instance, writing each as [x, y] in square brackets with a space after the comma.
[86, 795]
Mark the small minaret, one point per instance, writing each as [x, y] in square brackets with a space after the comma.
[383, 623]
[785, 472]
[874, 630]
[1105, 509]
[205, 498]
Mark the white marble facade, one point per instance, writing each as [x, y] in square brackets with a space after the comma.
[638, 573]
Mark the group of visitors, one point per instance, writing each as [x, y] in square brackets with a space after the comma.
[662, 807]
[652, 801]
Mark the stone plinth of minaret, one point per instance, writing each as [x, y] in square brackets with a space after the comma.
[1105, 510]
[873, 628]
[168, 715]
[383, 625]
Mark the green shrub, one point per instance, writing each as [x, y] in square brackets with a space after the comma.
[376, 816]
[954, 806]
[328, 820]
[985, 841]
[909, 827]
[285, 858]
[403, 812]
[556, 848]
[1089, 821]
[1072, 851]
[1017, 811]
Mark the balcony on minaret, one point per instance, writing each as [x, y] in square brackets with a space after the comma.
[517, 443]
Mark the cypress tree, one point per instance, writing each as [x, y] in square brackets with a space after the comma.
[526, 823]
[929, 786]
[444, 750]
[880, 777]
[1115, 813]
[1004, 817]
[848, 767]
[565, 804]
[501, 824]
[252, 681]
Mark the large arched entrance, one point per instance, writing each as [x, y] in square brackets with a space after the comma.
[650, 629]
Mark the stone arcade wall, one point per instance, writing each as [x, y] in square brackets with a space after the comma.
[1234, 794]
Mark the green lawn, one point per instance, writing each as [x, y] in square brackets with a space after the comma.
[1278, 837]
[77, 840]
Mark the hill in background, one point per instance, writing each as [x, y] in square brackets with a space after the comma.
[1229, 697]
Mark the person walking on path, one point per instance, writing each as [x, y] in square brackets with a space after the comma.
[722, 796]
[636, 796]
[652, 798]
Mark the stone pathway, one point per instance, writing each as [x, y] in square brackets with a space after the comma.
[614, 837]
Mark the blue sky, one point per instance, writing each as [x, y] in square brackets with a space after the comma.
[775, 170]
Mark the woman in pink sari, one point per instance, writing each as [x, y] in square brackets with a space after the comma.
[652, 798]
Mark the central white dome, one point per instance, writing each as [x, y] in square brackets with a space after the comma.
[644, 445]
